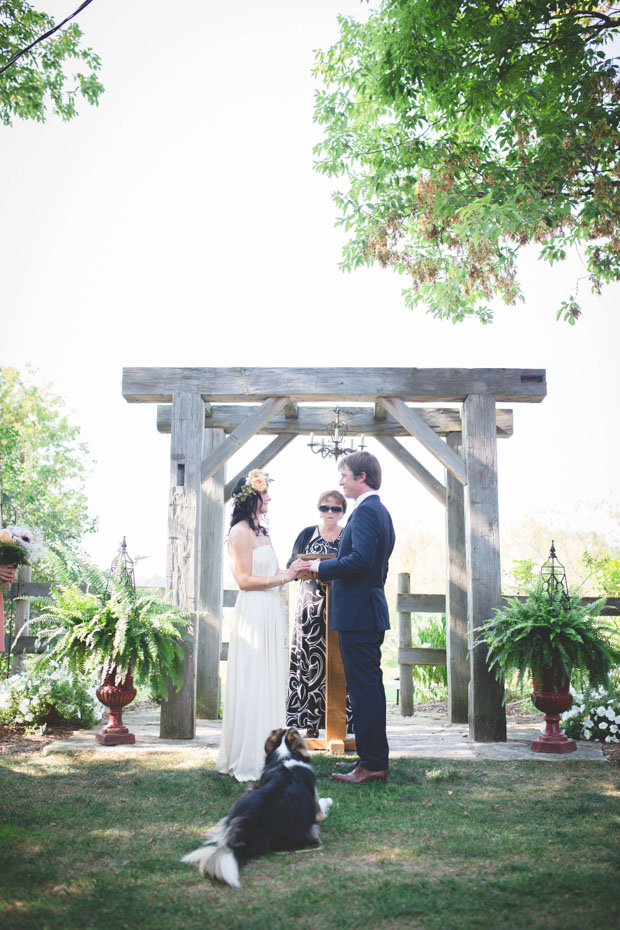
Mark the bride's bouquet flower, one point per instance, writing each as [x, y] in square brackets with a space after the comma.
[21, 545]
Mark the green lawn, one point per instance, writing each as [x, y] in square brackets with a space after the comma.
[94, 842]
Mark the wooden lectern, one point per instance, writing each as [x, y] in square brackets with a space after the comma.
[336, 740]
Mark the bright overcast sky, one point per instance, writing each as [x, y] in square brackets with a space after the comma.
[180, 224]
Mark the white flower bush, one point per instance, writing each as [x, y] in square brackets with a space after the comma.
[595, 715]
[34, 697]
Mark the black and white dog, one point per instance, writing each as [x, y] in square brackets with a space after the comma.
[282, 812]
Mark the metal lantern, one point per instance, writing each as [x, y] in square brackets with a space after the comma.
[334, 444]
[553, 575]
[122, 569]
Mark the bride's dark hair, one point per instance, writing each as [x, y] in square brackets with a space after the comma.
[247, 509]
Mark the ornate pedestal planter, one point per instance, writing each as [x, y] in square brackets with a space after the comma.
[552, 702]
[116, 697]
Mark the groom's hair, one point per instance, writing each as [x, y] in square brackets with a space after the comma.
[359, 462]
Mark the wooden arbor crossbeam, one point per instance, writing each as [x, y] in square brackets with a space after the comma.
[414, 385]
[237, 403]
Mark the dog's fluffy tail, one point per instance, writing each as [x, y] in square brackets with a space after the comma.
[218, 862]
[216, 858]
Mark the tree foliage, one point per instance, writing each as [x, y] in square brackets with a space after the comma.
[43, 77]
[43, 465]
[466, 129]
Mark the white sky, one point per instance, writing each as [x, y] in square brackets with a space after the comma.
[180, 224]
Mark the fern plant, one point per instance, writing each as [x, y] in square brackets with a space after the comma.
[551, 630]
[94, 620]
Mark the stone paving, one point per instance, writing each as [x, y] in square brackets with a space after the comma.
[419, 736]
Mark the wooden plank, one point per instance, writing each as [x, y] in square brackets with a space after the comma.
[261, 460]
[404, 642]
[334, 384]
[414, 467]
[421, 655]
[429, 439]
[335, 683]
[456, 595]
[210, 585]
[178, 712]
[487, 714]
[240, 436]
[421, 603]
[442, 420]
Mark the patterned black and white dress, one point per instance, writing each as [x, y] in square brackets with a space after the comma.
[306, 680]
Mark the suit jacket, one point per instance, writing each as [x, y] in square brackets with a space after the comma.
[357, 597]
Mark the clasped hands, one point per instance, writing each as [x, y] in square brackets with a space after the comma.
[305, 568]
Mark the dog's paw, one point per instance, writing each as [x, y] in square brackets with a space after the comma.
[325, 804]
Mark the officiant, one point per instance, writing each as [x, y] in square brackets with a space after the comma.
[306, 682]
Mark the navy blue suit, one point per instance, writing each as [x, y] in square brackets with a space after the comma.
[358, 610]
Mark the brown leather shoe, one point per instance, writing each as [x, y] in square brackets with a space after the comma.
[360, 776]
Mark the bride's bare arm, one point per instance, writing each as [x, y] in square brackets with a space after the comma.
[241, 544]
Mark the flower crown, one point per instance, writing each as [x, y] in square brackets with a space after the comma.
[256, 482]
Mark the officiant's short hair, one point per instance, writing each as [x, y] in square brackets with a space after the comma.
[359, 462]
[337, 497]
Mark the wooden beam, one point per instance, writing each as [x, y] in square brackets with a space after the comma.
[404, 642]
[210, 585]
[178, 712]
[487, 714]
[261, 460]
[456, 594]
[380, 414]
[414, 467]
[240, 435]
[421, 603]
[335, 384]
[429, 439]
[421, 655]
[442, 420]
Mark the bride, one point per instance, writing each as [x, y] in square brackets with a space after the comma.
[256, 680]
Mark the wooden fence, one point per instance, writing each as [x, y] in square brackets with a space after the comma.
[409, 655]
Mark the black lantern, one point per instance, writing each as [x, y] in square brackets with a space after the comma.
[334, 443]
[553, 575]
[121, 568]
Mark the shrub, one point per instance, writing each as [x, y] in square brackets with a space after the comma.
[595, 715]
[36, 697]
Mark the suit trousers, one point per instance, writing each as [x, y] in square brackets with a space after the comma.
[361, 658]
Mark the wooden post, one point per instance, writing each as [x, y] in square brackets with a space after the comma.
[21, 618]
[178, 712]
[487, 715]
[404, 642]
[456, 594]
[210, 584]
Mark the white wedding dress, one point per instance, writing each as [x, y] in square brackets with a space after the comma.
[256, 679]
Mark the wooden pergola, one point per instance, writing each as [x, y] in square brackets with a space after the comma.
[211, 413]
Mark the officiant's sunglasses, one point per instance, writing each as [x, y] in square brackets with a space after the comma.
[324, 508]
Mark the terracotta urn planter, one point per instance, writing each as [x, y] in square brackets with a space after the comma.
[115, 696]
[552, 696]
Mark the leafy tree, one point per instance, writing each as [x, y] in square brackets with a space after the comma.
[42, 76]
[466, 129]
[42, 462]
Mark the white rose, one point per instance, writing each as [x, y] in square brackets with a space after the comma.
[587, 734]
[601, 711]
[608, 739]
[603, 725]
[29, 717]
[611, 714]
[24, 706]
[588, 723]
[617, 718]
[613, 728]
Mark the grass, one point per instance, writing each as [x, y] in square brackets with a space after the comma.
[94, 842]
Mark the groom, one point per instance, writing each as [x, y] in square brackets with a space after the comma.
[358, 610]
